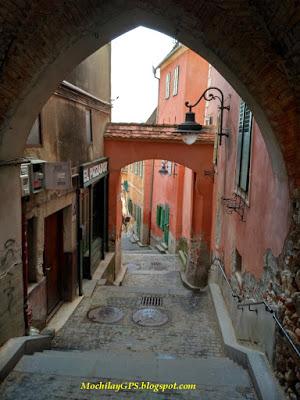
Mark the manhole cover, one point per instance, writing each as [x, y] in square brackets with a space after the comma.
[150, 317]
[105, 314]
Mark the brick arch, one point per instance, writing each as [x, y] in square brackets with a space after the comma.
[245, 41]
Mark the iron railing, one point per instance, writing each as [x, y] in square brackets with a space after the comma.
[268, 308]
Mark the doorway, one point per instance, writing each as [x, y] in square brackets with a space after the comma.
[53, 259]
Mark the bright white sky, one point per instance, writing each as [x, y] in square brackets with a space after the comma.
[133, 55]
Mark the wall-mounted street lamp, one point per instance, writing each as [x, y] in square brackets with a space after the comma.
[163, 170]
[190, 129]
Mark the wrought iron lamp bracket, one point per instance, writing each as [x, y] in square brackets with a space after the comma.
[209, 96]
[235, 204]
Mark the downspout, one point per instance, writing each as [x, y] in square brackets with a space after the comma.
[25, 267]
[79, 244]
[151, 201]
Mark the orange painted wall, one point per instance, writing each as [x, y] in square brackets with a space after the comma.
[266, 217]
[193, 71]
[177, 191]
[121, 153]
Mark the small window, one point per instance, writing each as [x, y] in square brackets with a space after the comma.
[244, 147]
[89, 126]
[141, 169]
[168, 79]
[35, 134]
[169, 168]
[208, 120]
[176, 81]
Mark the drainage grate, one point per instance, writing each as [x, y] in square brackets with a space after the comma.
[151, 301]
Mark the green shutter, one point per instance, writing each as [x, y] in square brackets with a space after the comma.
[158, 210]
[166, 224]
[162, 218]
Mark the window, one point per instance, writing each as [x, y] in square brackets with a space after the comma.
[35, 135]
[168, 79]
[244, 147]
[141, 169]
[162, 216]
[175, 81]
[208, 120]
[88, 126]
[169, 167]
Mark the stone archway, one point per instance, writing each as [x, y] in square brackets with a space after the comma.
[253, 45]
[128, 143]
[43, 43]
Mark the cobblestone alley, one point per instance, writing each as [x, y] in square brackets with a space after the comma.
[185, 349]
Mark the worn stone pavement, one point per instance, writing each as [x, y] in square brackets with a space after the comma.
[192, 331]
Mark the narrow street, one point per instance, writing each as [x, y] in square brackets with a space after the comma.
[187, 348]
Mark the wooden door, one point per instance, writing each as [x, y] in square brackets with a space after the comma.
[53, 258]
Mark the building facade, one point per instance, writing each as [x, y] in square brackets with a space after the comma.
[64, 207]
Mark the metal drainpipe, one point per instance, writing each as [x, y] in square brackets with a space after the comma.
[79, 244]
[25, 267]
[151, 201]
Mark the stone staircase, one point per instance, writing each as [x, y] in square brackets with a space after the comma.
[162, 248]
[62, 373]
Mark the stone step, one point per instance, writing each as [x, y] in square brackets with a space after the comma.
[160, 249]
[162, 367]
[164, 245]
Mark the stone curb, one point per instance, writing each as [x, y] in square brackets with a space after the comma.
[255, 362]
[15, 348]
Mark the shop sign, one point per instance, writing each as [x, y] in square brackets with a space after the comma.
[92, 172]
[58, 176]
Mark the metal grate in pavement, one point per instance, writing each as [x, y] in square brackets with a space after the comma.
[155, 301]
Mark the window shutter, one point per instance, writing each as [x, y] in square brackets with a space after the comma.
[142, 168]
[176, 81]
[158, 209]
[162, 218]
[245, 154]
[239, 142]
[167, 215]
[168, 78]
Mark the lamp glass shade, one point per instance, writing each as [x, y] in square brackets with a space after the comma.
[190, 138]
[163, 170]
[189, 129]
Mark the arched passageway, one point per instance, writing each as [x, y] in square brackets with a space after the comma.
[127, 143]
[253, 45]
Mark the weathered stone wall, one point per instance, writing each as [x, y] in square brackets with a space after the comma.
[279, 286]
[288, 300]
[11, 274]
